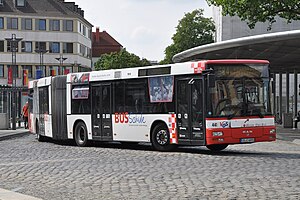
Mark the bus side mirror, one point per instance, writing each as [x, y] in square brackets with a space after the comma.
[211, 79]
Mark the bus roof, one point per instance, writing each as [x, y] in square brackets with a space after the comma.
[195, 67]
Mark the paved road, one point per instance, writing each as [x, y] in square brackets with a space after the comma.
[49, 170]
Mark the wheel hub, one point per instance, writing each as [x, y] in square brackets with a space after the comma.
[162, 137]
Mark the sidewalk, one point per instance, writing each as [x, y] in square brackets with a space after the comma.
[288, 134]
[8, 134]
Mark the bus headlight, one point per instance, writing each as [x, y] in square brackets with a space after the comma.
[219, 133]
[272, 131]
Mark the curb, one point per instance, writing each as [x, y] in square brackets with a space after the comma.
[10, 195]
[296, 141]
[14, 135]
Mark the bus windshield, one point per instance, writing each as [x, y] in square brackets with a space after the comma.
[240, 90]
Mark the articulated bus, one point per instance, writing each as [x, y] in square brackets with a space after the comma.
[212, 103]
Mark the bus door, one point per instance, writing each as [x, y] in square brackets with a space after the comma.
[189, 109]
[101, 112]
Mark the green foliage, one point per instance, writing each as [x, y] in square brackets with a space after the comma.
[193, 30]
[254, 11]
[119, 60]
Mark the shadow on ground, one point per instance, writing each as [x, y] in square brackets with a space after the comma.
[182, 149]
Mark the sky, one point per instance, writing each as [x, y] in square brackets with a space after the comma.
[143, 27]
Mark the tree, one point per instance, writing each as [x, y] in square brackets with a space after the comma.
[119, 60]
[254, 11]
[193, 30]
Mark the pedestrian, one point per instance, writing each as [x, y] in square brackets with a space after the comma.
[25, 114]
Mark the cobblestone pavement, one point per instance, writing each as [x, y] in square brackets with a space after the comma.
[50, 170]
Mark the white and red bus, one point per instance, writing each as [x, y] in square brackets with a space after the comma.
[212, 103]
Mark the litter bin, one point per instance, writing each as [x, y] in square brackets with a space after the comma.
[3, 121]
[287, 120]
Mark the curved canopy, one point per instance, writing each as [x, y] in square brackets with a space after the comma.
[282, 49]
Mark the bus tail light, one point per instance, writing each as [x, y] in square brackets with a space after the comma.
[219, 133]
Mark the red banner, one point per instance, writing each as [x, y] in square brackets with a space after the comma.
[66, 71]
[25, 77]
[9, 76]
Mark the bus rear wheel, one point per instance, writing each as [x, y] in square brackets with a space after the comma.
[80, 133]
[160, 138]
[217, 147]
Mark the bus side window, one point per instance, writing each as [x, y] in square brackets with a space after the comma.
[119, 96]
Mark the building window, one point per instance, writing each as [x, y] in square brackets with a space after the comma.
[68, 25]
[68, 48]
[89, 33]
[40, 45]
[41, 24]
[54, 25]
[20, 3]
[1, 23]
[82, 50]
[26, 46]
[84, 30]
[89, 53]
[29, 68]
[1, 70]
[1, 46]
[12, 23]
[26, 24]
[54, 47]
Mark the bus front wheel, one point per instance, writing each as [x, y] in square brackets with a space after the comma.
[217, 147]
[160, 138]
[81, 135]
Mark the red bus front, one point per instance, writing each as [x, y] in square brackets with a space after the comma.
[239, 104]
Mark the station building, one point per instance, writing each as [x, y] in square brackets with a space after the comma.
[280, 45]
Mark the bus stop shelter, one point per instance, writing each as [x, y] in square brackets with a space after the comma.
[282, 49]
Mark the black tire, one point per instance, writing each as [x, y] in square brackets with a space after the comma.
[160, 138]
[217, 147]
[81, 135]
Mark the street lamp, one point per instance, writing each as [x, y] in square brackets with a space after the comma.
[13, 48]
[61, 60]
[41, 52]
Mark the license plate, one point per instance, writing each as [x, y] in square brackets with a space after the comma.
[247, 140]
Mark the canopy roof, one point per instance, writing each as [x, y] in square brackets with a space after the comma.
[282, 49]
